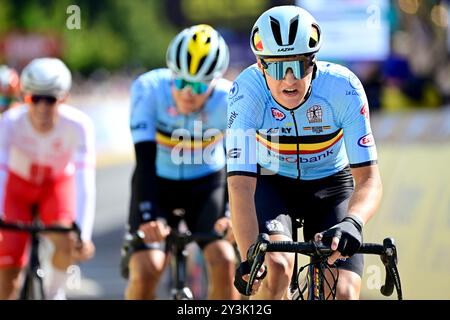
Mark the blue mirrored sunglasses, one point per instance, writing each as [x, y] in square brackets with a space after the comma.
[277, 69]
[196, 87]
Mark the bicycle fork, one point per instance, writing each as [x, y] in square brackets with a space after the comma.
[181, 291]
[33, 286]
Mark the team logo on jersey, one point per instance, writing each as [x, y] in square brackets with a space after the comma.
[366, 141]
[278, 114]
[317, 129]
[234, 90]
[231, 119]
[278, 130]
[314, 114]
[274, 226]
[138, 126]
[365, 111]
[234, 153]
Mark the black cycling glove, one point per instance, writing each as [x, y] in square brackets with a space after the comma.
[349, 232]
[243, 269]
[239, 283]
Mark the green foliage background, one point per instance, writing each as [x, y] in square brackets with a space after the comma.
[114, 33]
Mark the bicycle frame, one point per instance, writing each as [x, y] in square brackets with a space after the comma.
[33, 273]
[33, 287]
[176, 244]
[316, 290]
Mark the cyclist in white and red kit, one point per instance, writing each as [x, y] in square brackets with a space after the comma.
[47, 159]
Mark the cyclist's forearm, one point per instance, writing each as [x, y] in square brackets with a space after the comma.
[367, 195]
[243, 213]
[86, 194]
[143, 184]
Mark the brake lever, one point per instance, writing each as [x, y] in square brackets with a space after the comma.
[256, 259]
[390, 260]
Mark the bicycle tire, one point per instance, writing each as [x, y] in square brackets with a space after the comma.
[32, 288]
[183, 294]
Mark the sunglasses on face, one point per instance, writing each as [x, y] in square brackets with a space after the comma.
[196, 87]
[49, 100]
[300, 67]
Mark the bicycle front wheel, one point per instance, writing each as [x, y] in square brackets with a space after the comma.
[33, 288]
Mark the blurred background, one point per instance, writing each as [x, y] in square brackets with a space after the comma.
[398, 48]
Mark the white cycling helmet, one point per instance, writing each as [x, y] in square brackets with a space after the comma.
[285, 31]
[46, 76]
[198, 53]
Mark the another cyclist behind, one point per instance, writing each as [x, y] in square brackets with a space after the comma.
[9, 88]
[299, 134]
[47, 158]
[178, 115]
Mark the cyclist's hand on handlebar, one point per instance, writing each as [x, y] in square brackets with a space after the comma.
[223, 226]
[334, 244]
[345, 238]
[155, 231]
[241, 278]
[84, 251]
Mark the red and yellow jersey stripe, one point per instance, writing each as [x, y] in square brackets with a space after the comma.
[166, 140]
[307, 144]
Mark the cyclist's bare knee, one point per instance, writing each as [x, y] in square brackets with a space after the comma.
[64, 244]
[9, 283]
[279, 263]
[220, 259]
[349, 285]
[146, 268]
[220, 254]
[279, 272]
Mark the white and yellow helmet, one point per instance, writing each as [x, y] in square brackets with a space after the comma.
[285, 31]
[198, 53]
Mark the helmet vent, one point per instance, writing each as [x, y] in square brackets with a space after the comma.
[189, 58]
[293, 29]
[178, 56]
[200, 64]
[276, 30]
[213, 64]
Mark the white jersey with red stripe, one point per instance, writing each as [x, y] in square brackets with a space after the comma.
[67, 150]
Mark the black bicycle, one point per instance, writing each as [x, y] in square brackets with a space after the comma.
[176, 245]
[314, 286]
[33, 287]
